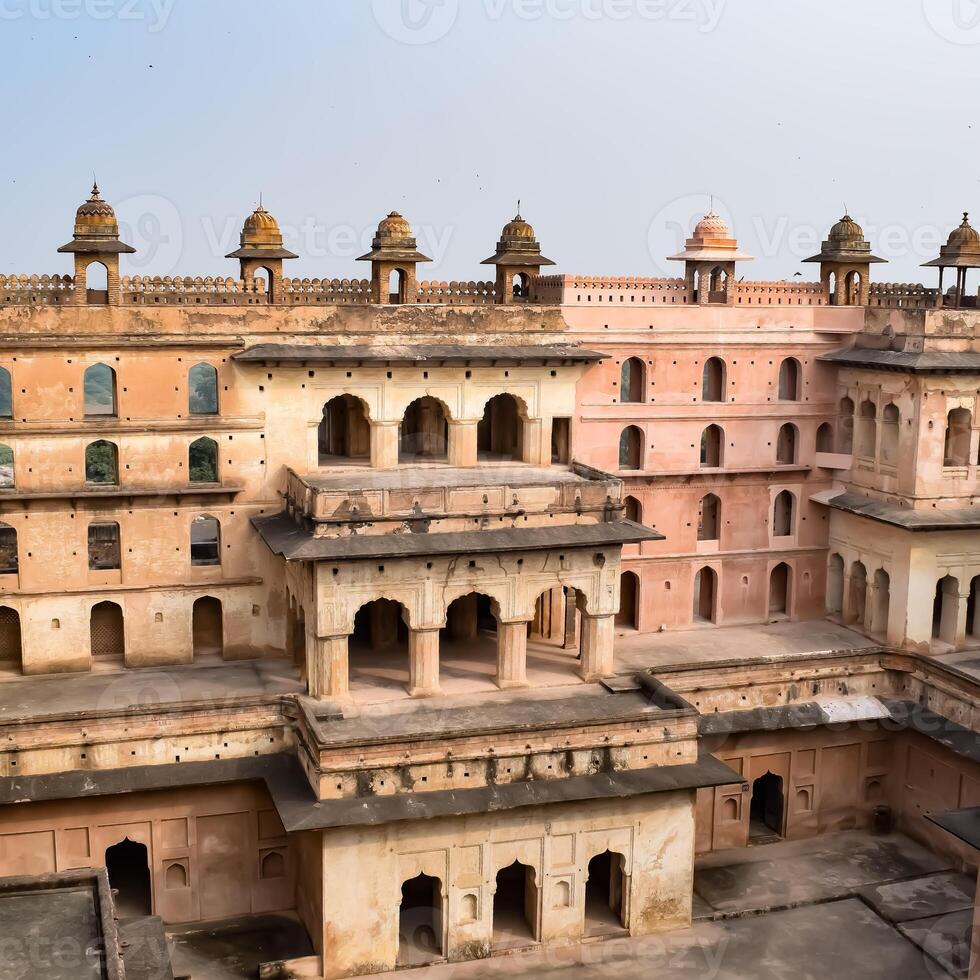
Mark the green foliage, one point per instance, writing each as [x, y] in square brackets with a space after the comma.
[101, 463]
[202, 383]
[203, 461]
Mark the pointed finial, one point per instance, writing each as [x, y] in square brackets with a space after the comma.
[95, 187]
[966, 217]
[260, 200]
[518, 207]
[711, 203]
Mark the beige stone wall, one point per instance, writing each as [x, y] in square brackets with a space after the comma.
[364, 869]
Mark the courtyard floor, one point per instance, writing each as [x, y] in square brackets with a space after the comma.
[848, 905]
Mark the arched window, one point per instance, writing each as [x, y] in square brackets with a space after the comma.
[207, 627]
[424, 432]
[789, 380]
[835, 585]
[631, 381]
[866, 434]
[500, 433]
[709, 518]
[858, 593]
[6, 467]
[96, 283]
[202, 390]
[11, 654]
[786, 444]
[890, 423]
[176, 876]
[957, 448]
[712, 441]
[104, 550]
[629, 600]
[713, 380]
[99, 384]
[779, 582]
[107, 632]
[202, 460]
[852, 286]
[631, 448]
[783, 517]
[880, 602]
[705, 589]
[521, 287]
[263, 280]
[396, 286]
[6, 395]
[945, 609]
[825, 438]
[632, 510]
[9, 560]
[205, 540]
[101, 463]
[344, 434]
[845, 426]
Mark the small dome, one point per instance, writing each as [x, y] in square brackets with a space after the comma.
[95, 214]
[711, 226]
[517, 228]
[965, 236]
[846, 230]
[394, 226]
[260, 221]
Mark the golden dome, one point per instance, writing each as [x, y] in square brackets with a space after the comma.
[394, 226]
[965, 236]
[846, 230]
[711, 226]
[517, 228]
[260, 228]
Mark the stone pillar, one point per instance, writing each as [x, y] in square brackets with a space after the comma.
[571, 622]
[512, 654]
[597, 646]
[961, 615]
[327, 672]
[384, 445]
[423, 663]
[462, 442]
[532, 450]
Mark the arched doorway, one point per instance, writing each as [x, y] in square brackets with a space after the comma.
[945, 610]
[500, 433]
[420, 921]
[779, 581]
[96, 283]
[789, 380]
[10, 639]
[825, 438]
[515, 907]
[858, 593]
[709, 518]
[880, 603]
[106, 632]
[835, 585]
[766, 809]
[972, 610]
[629, 601]
[713, 380]
[845, 426]
[344, 433]
[424, 432]
[712, 446]
[604, 895]
[704, 595]
[631, 448]
[208, 627]
[396, 286]
[786, 444]
[468, 642]
[378, 654]
[129, 873]
[631, 380]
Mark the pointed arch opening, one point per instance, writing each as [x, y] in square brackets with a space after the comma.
[420, 918]
[766, 807]
[825, 438]
[11, 652]
[784, 514]
[102, 463]
[605, 895]
[397, 282]
[96, 284]
[789, 380]
[202, 460]
[780, 579]
[709, 518]
[631, 448]
[632, 381]
[852, 286]
[424, 433]
[9, 555]
[956, 451]
[713, 380]
[344, 432]
[500, 433]
[973, 610]
[128, 866]
[556, 624]
[632, 510]
[6, 395]
[891, 420]
[628, 615]
[712, 446]
[835, 585]
[845, 427]
[202, 389]
[945, 610]
[881, 602]
[858, 594]
[107, 632]
[469, 642]
[515, 907]
[205, 541]
[866, 432]
[99, 385]
[705, 595]
[378, 648]
[787, 443]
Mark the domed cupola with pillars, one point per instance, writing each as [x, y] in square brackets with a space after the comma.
[709, 259]
[394, 255]
[845, 263]
[962, 253]
[518, 258]
[96, 241]
[260, 247]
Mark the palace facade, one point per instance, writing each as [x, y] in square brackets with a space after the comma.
[381, 601]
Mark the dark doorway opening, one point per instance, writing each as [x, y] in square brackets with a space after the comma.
[515, 907]
[129, 874]
[420, 921]
[604, 895]
[766, 810]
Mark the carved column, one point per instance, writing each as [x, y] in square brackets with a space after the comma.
[597, 646]
[512, 654]
[327, 672]
[423, 661]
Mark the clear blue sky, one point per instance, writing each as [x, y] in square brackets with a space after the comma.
[613, 120]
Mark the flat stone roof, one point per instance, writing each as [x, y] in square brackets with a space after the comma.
[417, 354]
[954, 519]
[354, 479]
[921, 362]
[963, 824]
[287, 538]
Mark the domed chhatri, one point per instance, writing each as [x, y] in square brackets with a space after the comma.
[845, 242]
[261, 238]
[846, 230]
[965, 236]
[394, 241]
[96, 228]
[962, 253]
[711, 226]
[518, 258]
[711, 240]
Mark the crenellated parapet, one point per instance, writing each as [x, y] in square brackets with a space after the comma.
[457, 293]
[903, 295]
[780, 292]
[36, 290]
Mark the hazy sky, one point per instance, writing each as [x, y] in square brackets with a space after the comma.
[612, 120]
